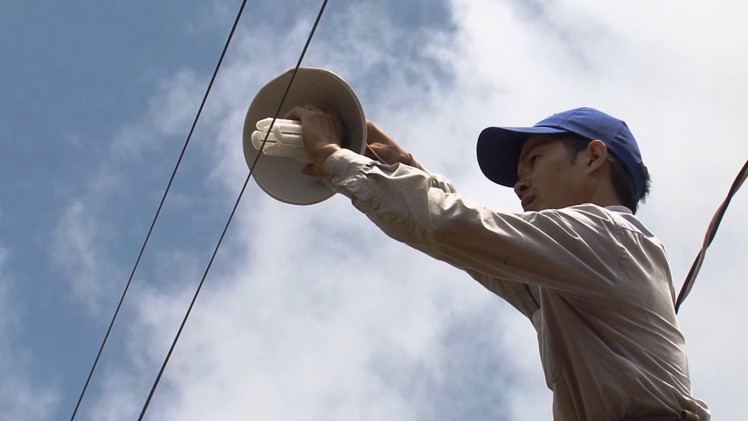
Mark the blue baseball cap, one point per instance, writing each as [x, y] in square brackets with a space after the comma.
[499, 147]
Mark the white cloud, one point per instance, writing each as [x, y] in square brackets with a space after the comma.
[339, 341]
[175, 104]
[87, 242]
[74, 250]
[318, 315]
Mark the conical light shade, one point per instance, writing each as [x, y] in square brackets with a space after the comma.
[281, 177]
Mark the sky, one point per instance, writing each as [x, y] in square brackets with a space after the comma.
[310, 312]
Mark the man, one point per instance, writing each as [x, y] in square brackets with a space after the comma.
[592, 279]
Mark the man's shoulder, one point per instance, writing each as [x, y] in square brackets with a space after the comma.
[596, 210]
[590, 213]
[618, 216]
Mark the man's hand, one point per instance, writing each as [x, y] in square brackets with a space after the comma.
[322, 133]
[381, 147]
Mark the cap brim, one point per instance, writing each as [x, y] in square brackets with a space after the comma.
[498, 151]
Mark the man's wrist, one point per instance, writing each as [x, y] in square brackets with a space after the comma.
[321, 155]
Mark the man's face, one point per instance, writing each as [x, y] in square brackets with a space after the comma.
[547, 177]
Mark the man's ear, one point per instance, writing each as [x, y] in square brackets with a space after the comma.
[597, 155]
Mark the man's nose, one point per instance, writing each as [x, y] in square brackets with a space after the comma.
[520, 188]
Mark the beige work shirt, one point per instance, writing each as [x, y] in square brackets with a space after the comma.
[594, 282]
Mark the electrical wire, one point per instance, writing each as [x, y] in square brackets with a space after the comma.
[158, 211]
[231, 216]
[710, 233]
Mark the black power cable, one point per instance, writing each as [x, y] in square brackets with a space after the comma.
[158, 211]
[231, 216]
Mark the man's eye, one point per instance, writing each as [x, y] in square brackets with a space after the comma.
[533, 159]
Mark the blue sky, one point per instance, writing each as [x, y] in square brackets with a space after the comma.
[310, 312]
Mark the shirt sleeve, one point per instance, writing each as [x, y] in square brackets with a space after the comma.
[569, 250]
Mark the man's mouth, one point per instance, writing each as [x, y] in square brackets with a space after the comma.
[527, 201]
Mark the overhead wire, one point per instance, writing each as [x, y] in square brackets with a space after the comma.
[688, 284]
[158, 210]
[231, 216]
[709, 237]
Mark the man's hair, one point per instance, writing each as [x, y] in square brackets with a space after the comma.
[623, 182]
